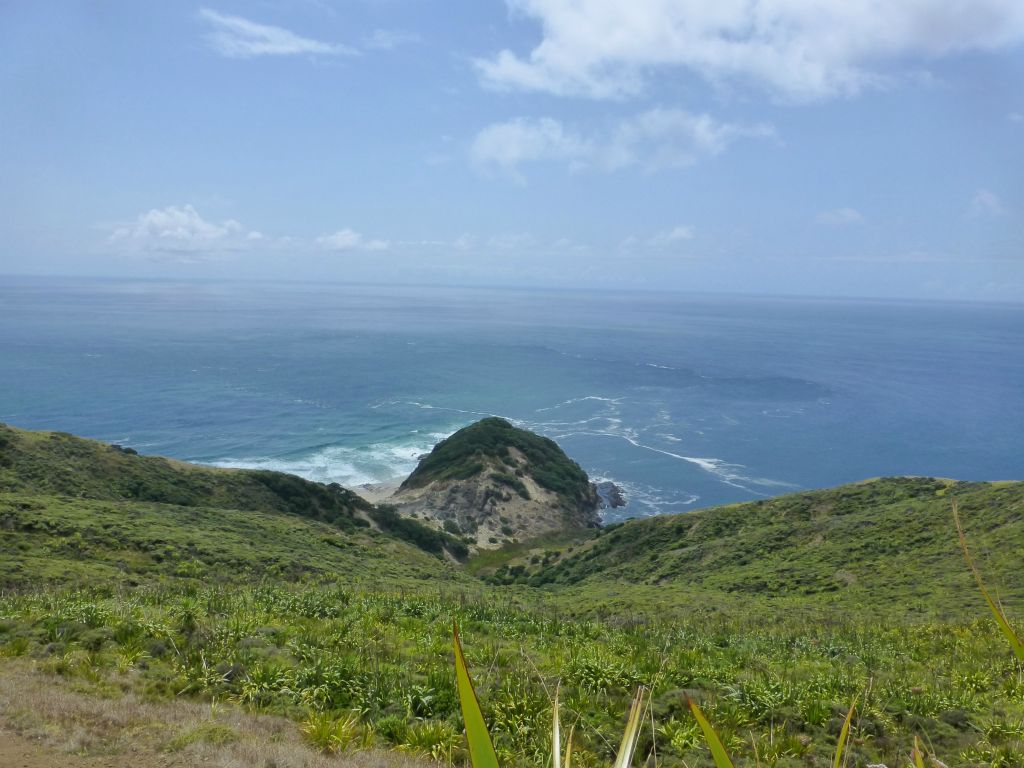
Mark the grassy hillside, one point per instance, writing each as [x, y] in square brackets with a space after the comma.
[460, 457]
[53, 541]
[881, 545]
[772, 615]
[59, 464]
[776, 690]
[56, 464]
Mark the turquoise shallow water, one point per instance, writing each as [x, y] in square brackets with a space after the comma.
[685, 401]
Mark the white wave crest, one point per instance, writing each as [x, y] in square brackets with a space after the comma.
[349, 466]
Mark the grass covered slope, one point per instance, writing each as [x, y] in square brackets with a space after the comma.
[48, 541]
[773, 616]
[59, 464]
[885, 543]
[79, 511]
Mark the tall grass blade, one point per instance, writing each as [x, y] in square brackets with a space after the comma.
[556, 734]
[632, 732]
[718, 753]
[481, 748]
[844, 734]
[918, 754]
[1015, 642]
[568, 746]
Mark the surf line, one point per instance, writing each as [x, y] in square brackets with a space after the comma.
[714, 467]
[717, 467]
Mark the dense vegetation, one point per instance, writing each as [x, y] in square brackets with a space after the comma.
[775, 690]
[426, 538]
[462, 456]
[772, 615]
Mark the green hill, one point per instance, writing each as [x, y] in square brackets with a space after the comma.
[59, 464]
[76, 511]
[464, 455]
[884, 545]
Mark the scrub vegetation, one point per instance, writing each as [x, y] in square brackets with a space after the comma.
[772, 617]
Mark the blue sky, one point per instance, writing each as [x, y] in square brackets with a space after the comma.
[860, 148]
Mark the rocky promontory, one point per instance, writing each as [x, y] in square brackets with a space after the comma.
[494, 483]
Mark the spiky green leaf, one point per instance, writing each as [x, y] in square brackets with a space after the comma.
[481, 748]
[556, 734]
[1004, 625]
[718, 753]
[632, 732]
[918, 754]
[844, 733]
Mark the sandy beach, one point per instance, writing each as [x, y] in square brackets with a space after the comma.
[375, 493]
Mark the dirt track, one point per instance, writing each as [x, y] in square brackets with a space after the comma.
[48, 721]
[20, 752]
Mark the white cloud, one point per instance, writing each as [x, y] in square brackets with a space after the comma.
[389, 39]
[797, 49]
[841, 216]
[665, 240]
[238, 38]
[180, 229]
[350, 240]
[653, 140]
[673, 138]
[674, 235]
[986, 204]
[506, 146]
[1015, 117]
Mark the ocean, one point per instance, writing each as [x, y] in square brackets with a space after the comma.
[684, 401]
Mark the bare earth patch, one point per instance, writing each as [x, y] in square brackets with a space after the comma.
[45, 722]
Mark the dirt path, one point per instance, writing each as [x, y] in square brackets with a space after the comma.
[47, 721]
[20, 752]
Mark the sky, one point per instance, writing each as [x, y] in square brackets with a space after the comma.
[845, 148]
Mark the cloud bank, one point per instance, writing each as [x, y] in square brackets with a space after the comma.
[799, 50]
[180, 229]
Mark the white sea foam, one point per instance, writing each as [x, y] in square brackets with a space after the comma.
[725, 471]
[644, 500]
[350, 466]
[585, 398]
[328, 465]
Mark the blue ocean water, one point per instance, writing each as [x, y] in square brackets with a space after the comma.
[685, 401]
